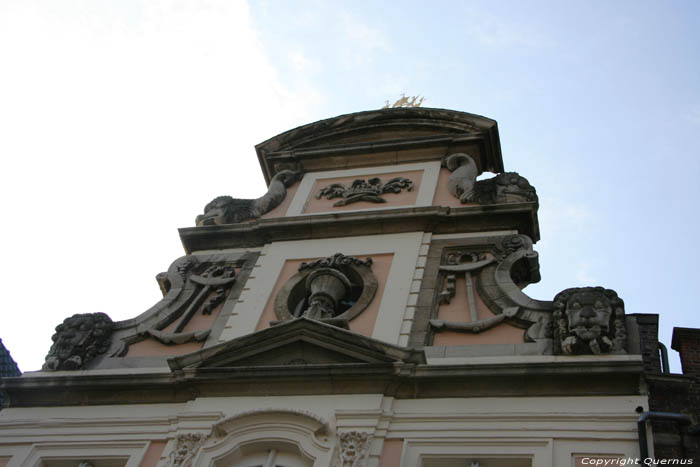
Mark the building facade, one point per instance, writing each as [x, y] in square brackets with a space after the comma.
[367, 310]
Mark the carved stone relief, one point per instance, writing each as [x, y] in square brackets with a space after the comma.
[209, 284]
[496, 273]
[333, 290]
[364, 190]
[228, 210]
[78, 340]
[186, 446]
[506, 187]
[271, 424]
[589, 320]
[353, 447]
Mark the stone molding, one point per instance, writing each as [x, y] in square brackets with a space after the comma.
[357, 269]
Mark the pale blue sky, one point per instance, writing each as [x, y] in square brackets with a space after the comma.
[120, 120]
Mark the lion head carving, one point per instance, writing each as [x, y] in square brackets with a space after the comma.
[588, 320]
[78, 340]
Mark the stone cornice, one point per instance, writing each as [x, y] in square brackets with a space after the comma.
[381, 131]
[400, 380]
[436, 219]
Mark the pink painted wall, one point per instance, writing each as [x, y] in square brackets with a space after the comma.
[281, 210]
[364, 322]
[442, 196]
[391, 452]
[153, 453]
[152, 348]
[458, 311]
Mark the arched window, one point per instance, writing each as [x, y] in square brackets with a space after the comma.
[267, 438]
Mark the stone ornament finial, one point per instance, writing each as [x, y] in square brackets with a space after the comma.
[588, 320]
[228, 210]
[78, 340]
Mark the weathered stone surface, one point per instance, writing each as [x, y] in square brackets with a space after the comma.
[78, 340]
[228, 210]
[589, 320]
[364, 190]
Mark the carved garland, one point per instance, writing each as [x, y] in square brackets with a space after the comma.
[364, 190]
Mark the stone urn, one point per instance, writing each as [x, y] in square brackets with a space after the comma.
[327, 287]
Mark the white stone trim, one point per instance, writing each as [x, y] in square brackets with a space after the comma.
[404, 246]
[508, 359]
[492, 233]
[415, 451]
[264, 428]
[132, 450]
[426, 190]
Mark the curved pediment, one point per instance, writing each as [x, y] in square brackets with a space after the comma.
[384, 136]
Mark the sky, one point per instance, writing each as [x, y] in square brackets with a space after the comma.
[120, 120]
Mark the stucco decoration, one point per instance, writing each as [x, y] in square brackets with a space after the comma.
[352, 449]
[334, 290]
[228, 210]
[589, 320]
[506, 187]
[78, 340]
[461, 182]
[304, 432]
[186, 447]
[364, 190]
[497, 274]
[202, 286]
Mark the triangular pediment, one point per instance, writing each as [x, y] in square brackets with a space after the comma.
[297, 342]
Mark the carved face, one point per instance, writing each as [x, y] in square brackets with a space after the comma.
[588, 314]
[77, 340]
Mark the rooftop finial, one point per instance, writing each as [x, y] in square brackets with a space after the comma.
[403, 101]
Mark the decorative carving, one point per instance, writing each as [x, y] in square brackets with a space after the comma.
[186, 446]
[78, 340]
[466, 263]
[326, 287]
[475, 326]
[333, 290]
[228, 210]
[588, 320]
[404, 101]
[463, 177]
[506, 187]
[208, 287]
[353, 447]
[364, 190]
[336, 261]
[85, 464]
[223, 427]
